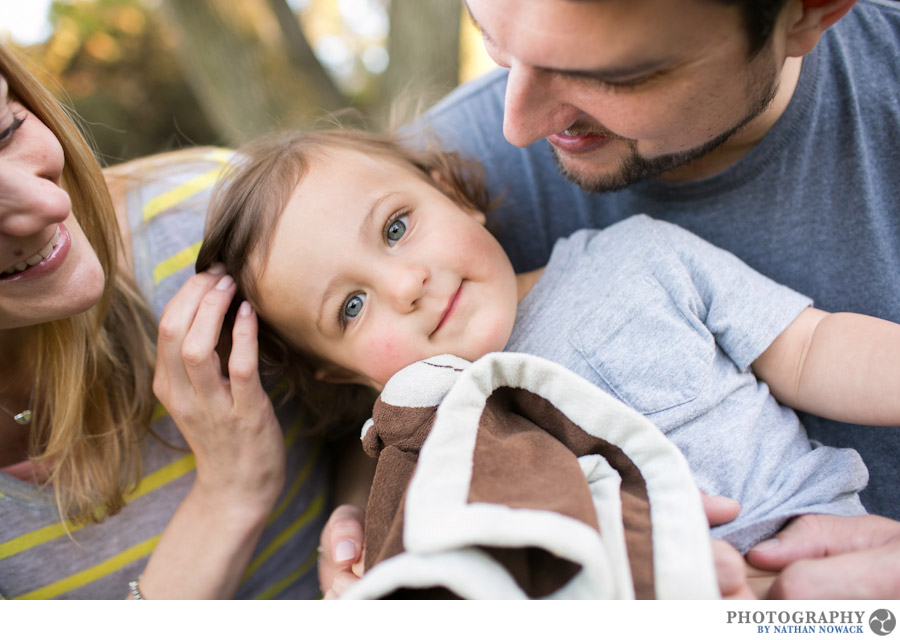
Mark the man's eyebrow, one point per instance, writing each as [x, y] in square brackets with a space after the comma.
[365, 230]
[608, 74]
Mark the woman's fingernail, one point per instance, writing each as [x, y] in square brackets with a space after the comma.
[217, 269]
[245, 310]
[765, 545]
[344, 551]
[224, 283]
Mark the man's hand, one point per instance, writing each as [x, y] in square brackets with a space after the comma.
[833, 557]
[341, 556]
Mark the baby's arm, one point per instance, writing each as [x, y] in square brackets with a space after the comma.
[842, 366]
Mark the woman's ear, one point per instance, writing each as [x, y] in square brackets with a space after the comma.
[808, 21]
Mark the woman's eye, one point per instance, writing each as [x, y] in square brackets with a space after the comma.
[396, 229]
[354, 305]
[7, 134]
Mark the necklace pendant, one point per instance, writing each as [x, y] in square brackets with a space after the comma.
[23, 417]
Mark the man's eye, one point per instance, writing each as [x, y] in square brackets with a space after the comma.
[354, 305]
[396, 229]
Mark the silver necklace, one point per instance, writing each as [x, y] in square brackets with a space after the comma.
[24, 416]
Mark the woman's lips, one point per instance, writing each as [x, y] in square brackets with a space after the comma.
[579, 144]
[49, 264]
[451, 307]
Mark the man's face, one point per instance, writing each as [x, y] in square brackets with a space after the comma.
[626, 89]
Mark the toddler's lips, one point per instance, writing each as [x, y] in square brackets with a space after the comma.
[578, 144]
[448, 311]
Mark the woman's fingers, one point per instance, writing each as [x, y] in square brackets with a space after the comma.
[198, 352]
[243, 362]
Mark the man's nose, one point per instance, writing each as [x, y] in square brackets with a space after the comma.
[532, 109]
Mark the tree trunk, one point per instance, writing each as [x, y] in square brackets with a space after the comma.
[250, 66]
[424, 52]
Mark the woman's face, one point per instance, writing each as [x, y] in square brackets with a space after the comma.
[48, 270]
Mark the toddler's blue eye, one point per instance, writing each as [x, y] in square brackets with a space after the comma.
[354, 305]
[396, 229]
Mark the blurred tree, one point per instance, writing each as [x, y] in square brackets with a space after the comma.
[115, 65]
[151, 75]
[250, 65]
[423, 50]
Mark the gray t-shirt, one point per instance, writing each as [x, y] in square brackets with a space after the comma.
[814, 206]
[670, 325]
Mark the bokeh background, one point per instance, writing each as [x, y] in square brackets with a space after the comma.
[155, 75]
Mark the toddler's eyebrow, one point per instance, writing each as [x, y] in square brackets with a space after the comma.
[365, 228]
[365, 231]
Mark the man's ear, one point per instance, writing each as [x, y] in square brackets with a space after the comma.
[334, 374]
[809, 21]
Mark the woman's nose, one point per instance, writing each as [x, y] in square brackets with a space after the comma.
[29, 201]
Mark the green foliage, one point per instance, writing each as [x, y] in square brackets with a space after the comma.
[118, 67]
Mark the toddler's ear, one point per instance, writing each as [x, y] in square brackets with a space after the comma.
[334, 374]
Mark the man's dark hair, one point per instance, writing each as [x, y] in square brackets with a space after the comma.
[759, 20]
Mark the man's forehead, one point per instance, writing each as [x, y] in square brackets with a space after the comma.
[580, 34]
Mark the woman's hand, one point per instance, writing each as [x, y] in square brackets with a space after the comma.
[229, 423]
[231, 427]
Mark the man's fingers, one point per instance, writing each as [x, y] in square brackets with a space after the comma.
[873, 574]
[818, 536]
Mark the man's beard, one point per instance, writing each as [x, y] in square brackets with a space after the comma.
[635, 167]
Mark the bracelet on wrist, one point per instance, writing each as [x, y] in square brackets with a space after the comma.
[135, 589]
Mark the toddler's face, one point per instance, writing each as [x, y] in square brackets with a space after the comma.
[373, 268]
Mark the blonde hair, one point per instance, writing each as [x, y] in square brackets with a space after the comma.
[93, 390]
[245, 209]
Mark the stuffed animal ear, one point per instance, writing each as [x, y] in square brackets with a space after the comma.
[371, 442]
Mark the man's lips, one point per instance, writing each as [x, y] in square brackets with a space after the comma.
[578, 144]
[451, 307]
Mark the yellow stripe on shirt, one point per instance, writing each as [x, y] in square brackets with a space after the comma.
[96, 572]
[184, 258]
[278, 587]
[182, 192]
[151, 482]
[314, 509]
